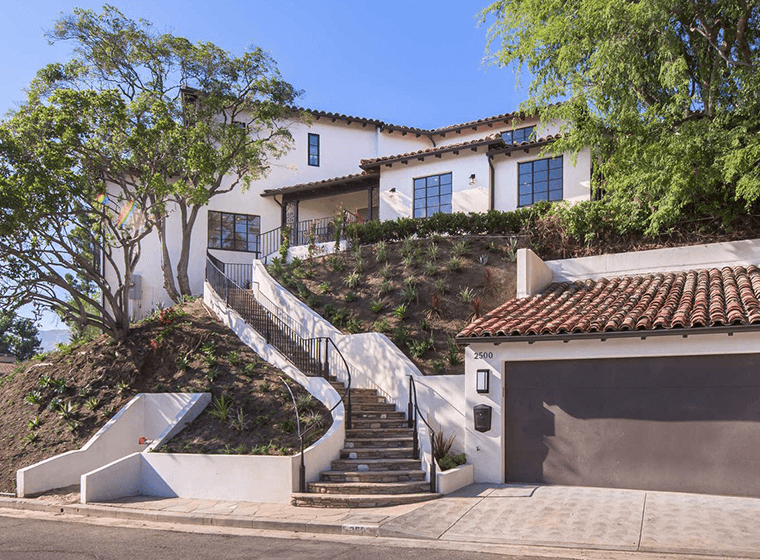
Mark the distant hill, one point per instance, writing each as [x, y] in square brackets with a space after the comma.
[50, 338]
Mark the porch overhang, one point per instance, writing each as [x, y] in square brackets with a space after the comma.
[327, 187]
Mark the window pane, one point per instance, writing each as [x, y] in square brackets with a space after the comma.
[541, 175]
[555, 173]
[433, 191]
[433, 181]
[446, 179]
[419, 203]
[419, 212]
[555, 195]
[555, 163]
[507, 137]
[526, 200]
[445, 199]
[419, 184]
[540, 165]
[228, 226]
[214, 230]
[446, 188]
[446, 208]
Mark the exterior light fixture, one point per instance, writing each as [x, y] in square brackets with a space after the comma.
[472, 179]
[482, 380]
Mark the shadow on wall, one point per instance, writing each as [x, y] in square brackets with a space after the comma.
[688, 424]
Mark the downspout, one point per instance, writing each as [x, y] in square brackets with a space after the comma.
[491, 182]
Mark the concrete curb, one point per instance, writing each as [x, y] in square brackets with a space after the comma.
[236, 521]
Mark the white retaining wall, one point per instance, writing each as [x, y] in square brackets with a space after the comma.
[377, 363]
[203, 477]
[255, 478]
[155, 417]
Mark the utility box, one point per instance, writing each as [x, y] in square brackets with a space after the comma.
[482, 414]
[135, 287]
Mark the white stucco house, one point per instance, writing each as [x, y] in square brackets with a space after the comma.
[373, 170]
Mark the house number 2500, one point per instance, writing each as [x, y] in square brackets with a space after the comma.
[483, 355]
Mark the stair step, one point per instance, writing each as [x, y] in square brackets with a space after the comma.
[377, 424]
[372, 407]
[377, 415]
[375, 465]
[360, 500]
[375, 399]
[376, 453]
[369, 487]
[372, 476]
[379, 433]
[386, 442]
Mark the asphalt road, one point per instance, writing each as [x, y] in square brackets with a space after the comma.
[33, 539]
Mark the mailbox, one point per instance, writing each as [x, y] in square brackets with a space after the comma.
[482, 413]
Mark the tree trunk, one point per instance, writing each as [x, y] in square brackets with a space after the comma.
[188, 222]
[166, 261]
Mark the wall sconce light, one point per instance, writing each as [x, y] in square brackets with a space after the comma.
[393, 189]
[472, 179]
[482, 380]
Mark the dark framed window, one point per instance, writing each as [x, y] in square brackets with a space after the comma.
[233, 232]
[519, 136]
[314, 150]
[539, 180]
[432, 194]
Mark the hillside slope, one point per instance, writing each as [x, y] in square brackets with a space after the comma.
[57, 402]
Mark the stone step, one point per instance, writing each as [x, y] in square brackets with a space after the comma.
[378, 424]
[386, 442]
[372, 407]
[364, 433]
[374, 399]
[369, 487]
[376, 453]
[359, 500]
[372, 476]
[377, 415]
[381, 464]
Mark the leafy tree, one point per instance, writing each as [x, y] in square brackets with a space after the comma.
[61, 247]
[198, 122]
[665, 92]
[18, 336]
[156, 123]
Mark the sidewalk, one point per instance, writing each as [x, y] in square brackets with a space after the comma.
[527, 515]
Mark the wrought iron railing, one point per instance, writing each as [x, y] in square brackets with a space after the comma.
[321, 230]
[413, 413]
[313, 356]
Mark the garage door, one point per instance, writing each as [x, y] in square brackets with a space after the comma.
[687, 424]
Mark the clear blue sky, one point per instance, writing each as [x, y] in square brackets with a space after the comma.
[416, 63]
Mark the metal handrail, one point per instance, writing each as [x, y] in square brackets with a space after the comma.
[311, 356]
[323, 231]
[413, 412]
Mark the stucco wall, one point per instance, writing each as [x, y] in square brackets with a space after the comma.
[465, 197]
[153, 416]
[713, 255]
[576, 177]
[485, 450]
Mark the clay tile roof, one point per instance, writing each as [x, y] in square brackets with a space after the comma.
[492, 140]
[333, 181]
[663, 301]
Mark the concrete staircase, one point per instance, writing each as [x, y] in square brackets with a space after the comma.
[376, 467]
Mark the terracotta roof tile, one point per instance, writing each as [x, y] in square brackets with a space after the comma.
[323, 183]
[491, 139]
[672, 300]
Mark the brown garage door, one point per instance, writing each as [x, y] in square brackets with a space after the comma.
[687, 424]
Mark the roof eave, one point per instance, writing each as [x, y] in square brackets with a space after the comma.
[603, 336]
